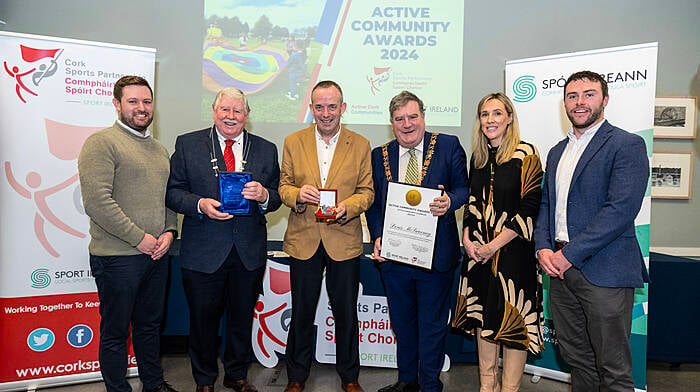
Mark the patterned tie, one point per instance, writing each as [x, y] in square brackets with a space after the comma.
[412, 168]
[228, 156]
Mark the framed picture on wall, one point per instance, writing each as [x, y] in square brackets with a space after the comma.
[671, 174]
[675, 117]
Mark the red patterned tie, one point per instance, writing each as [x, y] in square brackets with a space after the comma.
[228, 156]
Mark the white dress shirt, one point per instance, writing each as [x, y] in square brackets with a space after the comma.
[405, 156]
[135, 132]
[565, 171]
[237, 148]
[325, 152]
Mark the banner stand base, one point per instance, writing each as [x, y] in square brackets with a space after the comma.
[34, 384]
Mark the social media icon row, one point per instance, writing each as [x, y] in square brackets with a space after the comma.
[42, 339]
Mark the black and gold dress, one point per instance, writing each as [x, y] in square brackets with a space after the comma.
[503, 296]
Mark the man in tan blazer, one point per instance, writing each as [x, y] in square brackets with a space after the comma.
[325, 155]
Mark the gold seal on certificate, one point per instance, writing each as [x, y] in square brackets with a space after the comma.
[409, 226]
[413, 197]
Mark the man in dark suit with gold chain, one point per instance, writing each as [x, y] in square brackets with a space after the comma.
[223, 256]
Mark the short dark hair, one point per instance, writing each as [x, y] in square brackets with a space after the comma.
[327, 84]
[129, 80]
[592, 76]
[402, 99]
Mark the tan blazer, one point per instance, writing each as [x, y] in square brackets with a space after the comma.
[350, 173]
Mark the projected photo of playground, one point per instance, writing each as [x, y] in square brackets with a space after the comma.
[267, 51]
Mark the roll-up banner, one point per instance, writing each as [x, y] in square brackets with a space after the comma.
[54, 93]
[536, 86]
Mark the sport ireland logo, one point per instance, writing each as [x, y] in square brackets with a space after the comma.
[40, 278]
[524, 88]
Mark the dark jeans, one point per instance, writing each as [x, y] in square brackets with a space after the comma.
[593, 326]
[342, 284]
[132, 293]
[233, 288]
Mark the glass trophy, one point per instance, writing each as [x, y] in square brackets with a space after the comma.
[230, 187]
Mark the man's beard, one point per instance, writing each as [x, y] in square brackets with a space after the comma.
[131, 124]
[594, 116]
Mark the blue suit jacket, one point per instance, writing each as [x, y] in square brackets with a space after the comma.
[605, 195]
[448, 168]
[206, 242]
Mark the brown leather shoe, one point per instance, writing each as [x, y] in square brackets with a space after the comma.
[352, 387]
[241, 385]
[294, 387]
[205, 388]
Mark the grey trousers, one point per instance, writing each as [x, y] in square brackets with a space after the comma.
[592, 327]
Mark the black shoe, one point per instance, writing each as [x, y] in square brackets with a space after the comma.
[164, 387]
[401, 386]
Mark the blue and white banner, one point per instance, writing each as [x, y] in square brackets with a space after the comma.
[536, 86]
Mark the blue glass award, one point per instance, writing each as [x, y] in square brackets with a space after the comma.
[230, 187]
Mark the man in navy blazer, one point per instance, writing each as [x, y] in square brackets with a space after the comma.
[585, 237]
[222, 256]
[419, 299]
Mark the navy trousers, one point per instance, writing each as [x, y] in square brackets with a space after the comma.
[419, 306]
[131, 290]
[234, 288]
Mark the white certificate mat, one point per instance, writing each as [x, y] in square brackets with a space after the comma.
[409, 229]
[327, 197]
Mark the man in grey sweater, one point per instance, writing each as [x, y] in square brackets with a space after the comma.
[123, 176]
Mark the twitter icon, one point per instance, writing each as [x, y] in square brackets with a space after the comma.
[40, 339]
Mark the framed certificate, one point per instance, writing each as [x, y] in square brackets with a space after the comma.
[230, 187]
[326, 204]
[409, 229]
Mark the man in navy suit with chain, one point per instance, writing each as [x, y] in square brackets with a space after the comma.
[223, 256]
[419, 299]
[585, 237]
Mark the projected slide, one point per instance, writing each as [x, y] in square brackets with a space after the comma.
[276, 51]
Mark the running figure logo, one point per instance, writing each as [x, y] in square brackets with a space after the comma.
[273, 312]
[65, 141]
[43, 212]
[43, 65]
[381, 75]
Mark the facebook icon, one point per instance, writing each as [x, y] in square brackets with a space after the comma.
[79, 336]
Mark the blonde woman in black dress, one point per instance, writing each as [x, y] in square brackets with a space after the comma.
[500, 293]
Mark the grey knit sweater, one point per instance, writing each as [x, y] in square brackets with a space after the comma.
[123, 180]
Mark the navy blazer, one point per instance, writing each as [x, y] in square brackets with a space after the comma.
[448, 168]
[605, 195]
[206, 242]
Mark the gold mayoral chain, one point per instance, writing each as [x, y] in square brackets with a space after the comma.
[426, 161]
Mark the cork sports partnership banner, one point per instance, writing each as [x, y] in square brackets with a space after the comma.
[276, 52]
[54, 93]
[273, 312]
[536, 86]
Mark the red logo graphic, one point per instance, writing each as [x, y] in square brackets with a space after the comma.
[65, 141]
[381, 75]
[45, 67]
[272, 315]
